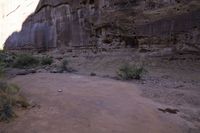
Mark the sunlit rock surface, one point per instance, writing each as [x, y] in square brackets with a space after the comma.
[12, 14]
[146, 25]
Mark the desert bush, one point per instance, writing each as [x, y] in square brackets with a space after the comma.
[6, 58]
[6, 112]
[9, 98]
[46, 61]
[2, 69]
[26, 61]
[65, 65]
[128, 72]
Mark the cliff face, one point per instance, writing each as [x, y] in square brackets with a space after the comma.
[148, 25]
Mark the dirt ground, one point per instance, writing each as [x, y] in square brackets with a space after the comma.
[82, 104]
[166, 99]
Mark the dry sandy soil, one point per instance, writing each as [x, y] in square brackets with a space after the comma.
[67, 103]
[79, 103]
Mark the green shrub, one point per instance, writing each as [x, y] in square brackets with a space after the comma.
[46, 61]
[26, 61]
[65, 66]
[6, 59]
[9, 98]
[2, 70]
[6, 112]
[128, 72]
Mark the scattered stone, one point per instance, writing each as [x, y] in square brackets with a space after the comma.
[41, 71]
[179, 86]
[60, 90]
[14, 72]
[143, 50]
[93, 74]
[165, 76]
[169, 110]
[106, 76]
[59, 57]
[143, 82]
[55, 70]
[32, 70]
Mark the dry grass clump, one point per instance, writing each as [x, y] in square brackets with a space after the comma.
[9, 99]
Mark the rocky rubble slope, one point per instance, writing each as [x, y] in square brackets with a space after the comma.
[144, 25]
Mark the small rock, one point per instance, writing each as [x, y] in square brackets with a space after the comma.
[56, 71]
[165, 76]
[41, 71]
[143, 82]
[179, 86]
[93, 74]
[106, 76]
[169, 110]
[25, 72]
[60, 90]
[32, 70]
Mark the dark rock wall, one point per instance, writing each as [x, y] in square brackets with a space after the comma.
[143, 24]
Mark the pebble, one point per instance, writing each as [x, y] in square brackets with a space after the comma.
[60, 90]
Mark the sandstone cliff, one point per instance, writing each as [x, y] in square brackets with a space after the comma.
[146, 25]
